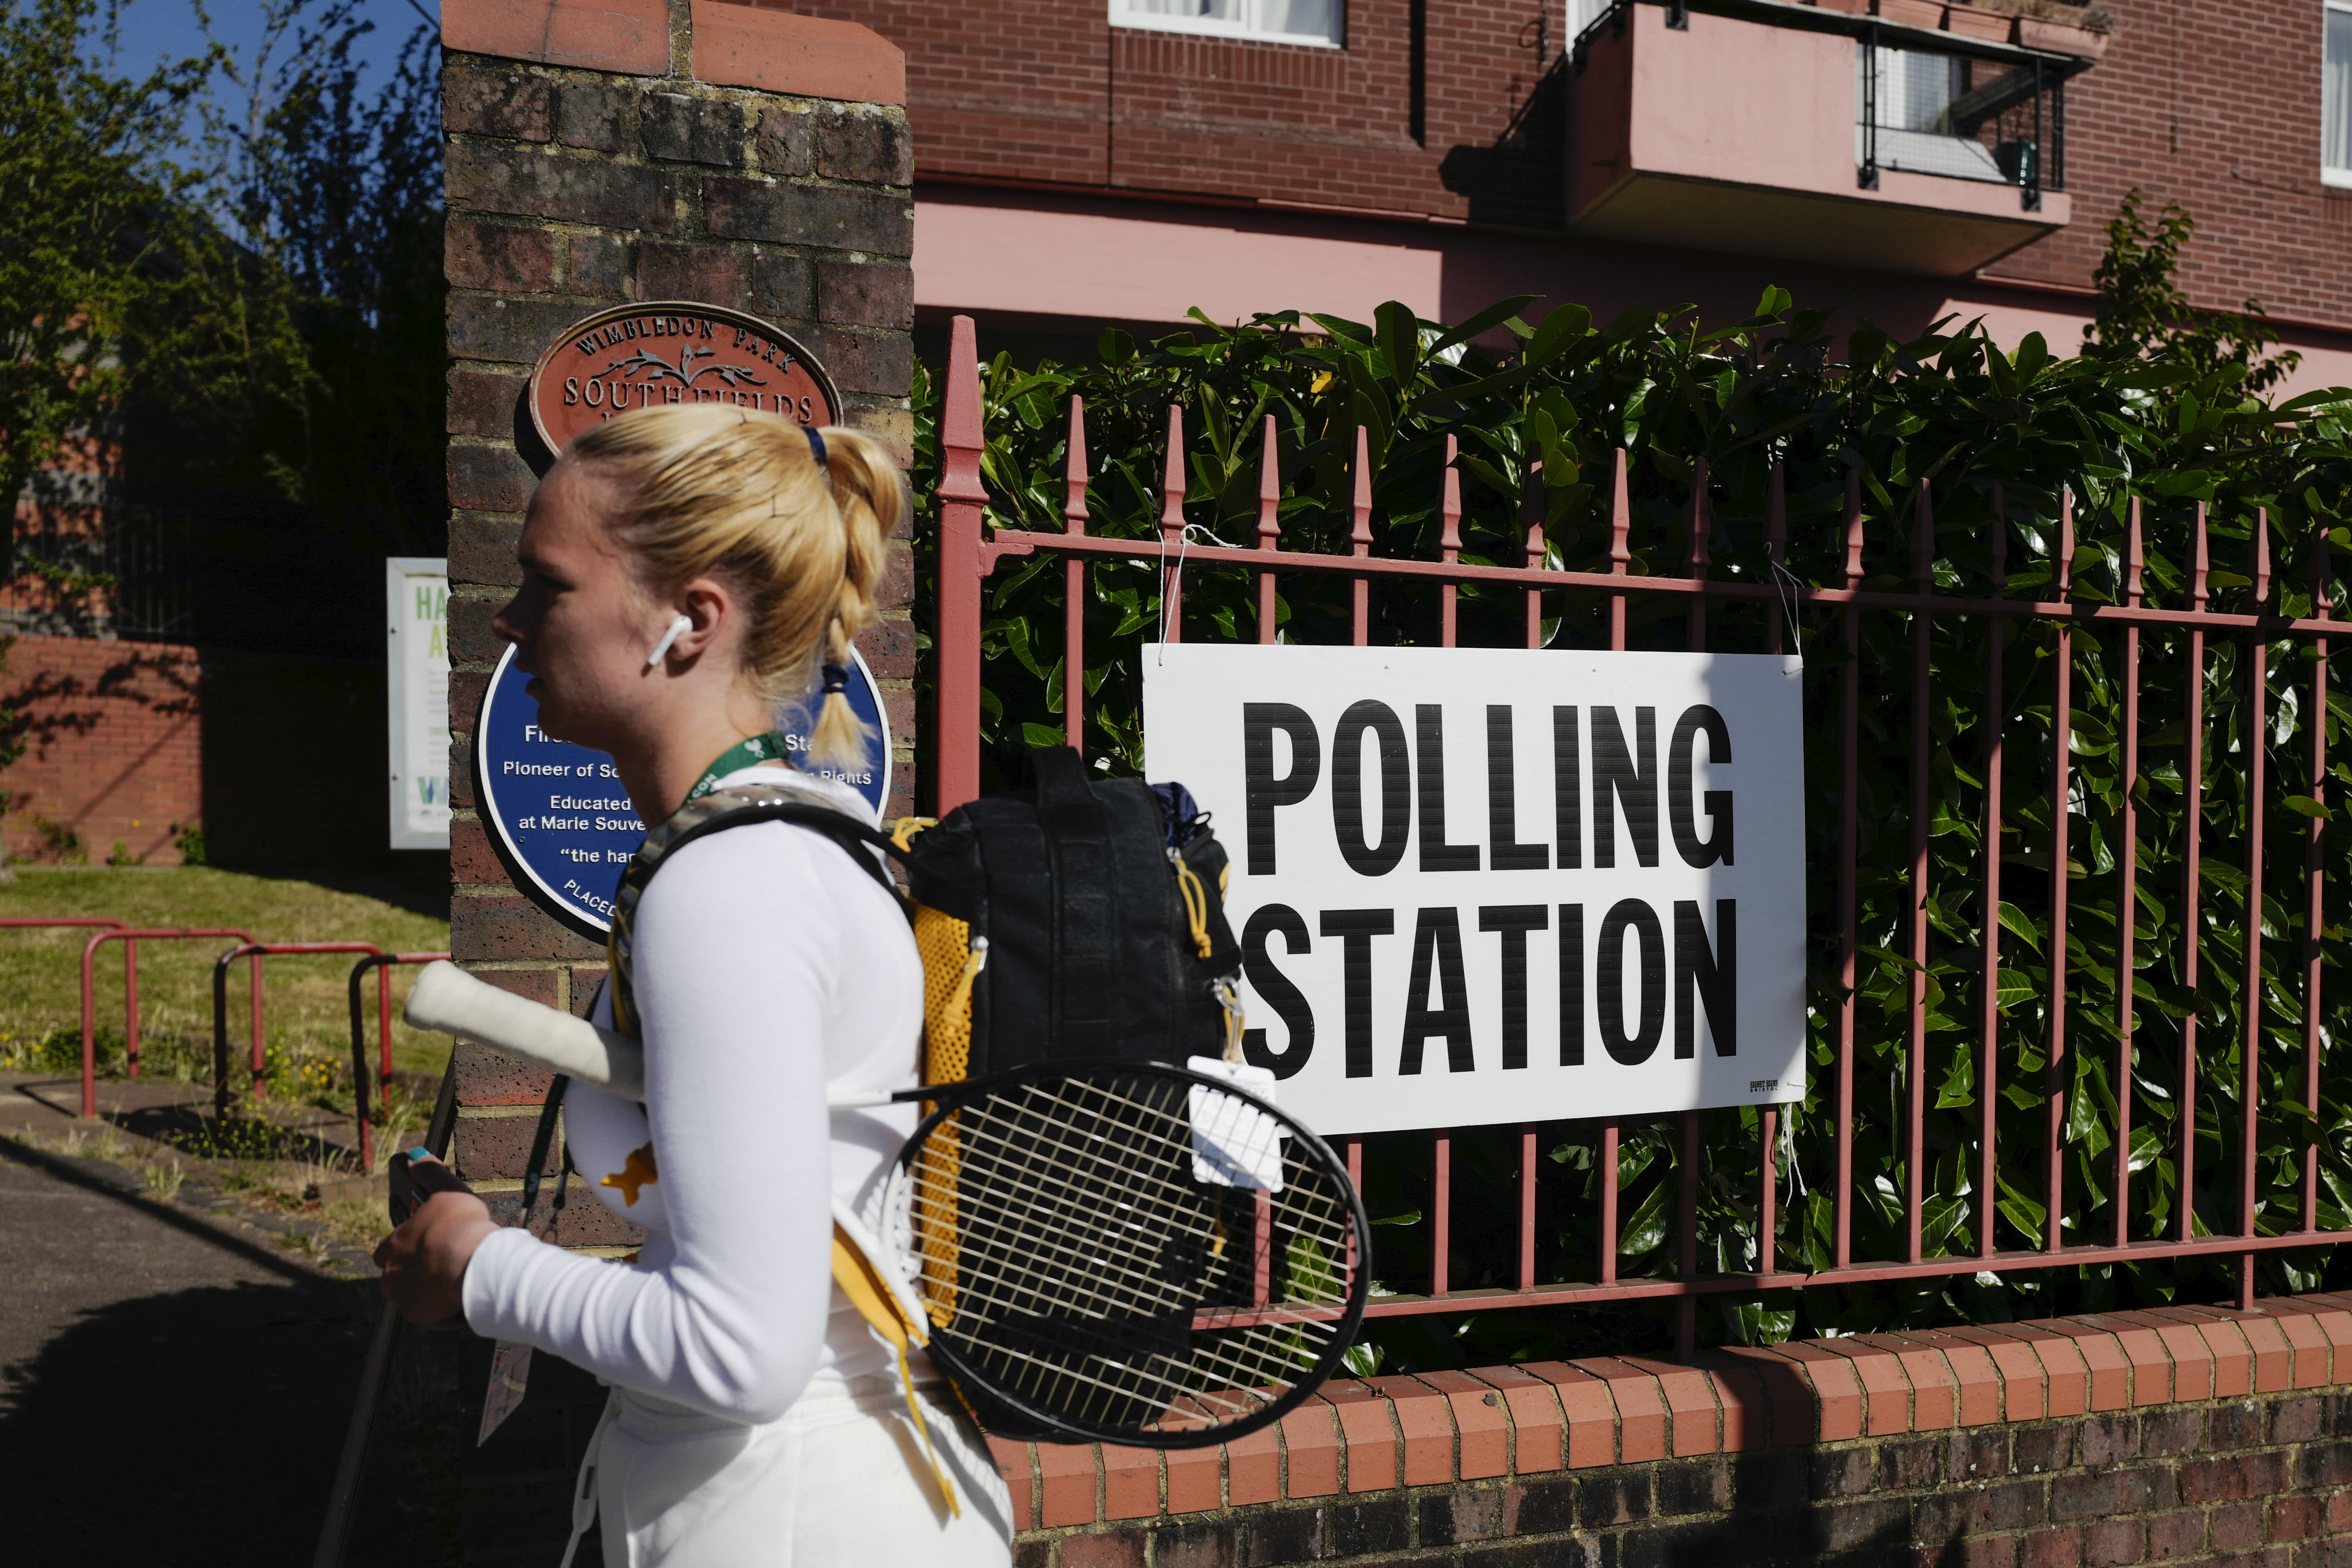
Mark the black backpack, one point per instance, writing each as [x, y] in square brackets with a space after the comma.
[1090, 912]
[1079, 918]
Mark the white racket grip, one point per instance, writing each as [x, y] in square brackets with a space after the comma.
[448, 999]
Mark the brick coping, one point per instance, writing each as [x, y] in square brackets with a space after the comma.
[732, 43]
[1378, 1433]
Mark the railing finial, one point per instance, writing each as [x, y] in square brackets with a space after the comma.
[1360, 536]
[2135, 558]
[1853, 526]
[1269, 492]
[1450, 504]
[2320, 606]
[2065, 542]
[1621, 519]
[2201, 563]
[2261, 555]
[1074, 491]
[962, 437]
[1172, 508]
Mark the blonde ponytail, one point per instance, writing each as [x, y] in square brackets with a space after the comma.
[871, 495]
[716, 490]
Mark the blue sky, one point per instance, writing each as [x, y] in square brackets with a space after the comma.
[157, 30]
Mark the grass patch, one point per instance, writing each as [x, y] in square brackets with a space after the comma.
[306, 1021]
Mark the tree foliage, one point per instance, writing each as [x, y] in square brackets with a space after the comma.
[2163, 405]
[86, 162]
[224, 279]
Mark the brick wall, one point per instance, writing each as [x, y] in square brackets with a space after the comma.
[2186, 1434]
[2211, 103]
[2215, 105]
[602, 152]
[114, 748]
[614, 149]
[1048, 90]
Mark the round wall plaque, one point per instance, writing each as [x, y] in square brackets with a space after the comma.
[563, 824]
[645, 356]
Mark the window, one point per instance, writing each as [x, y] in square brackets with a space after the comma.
[1583, 13]
[2336, 98]
[1941, 114]
[1275, 21]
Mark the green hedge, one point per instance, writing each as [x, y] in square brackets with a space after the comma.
[2167, 404]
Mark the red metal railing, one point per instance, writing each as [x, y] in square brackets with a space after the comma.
[129, 937]
[255, 952]
[129, 964]
[382, 964]
[969, 553]
[111, 930]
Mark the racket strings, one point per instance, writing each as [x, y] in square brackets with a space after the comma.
[1059, 1244]
[1079, 1201]
[1092, 1241]
[1169, 1197]
[1300, 1188]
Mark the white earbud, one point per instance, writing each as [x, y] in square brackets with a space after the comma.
[676, 628]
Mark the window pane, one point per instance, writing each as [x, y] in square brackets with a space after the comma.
[1299, 18]
[1913, 130]
[2336, 113]
[1915, 90]
[1214, 10]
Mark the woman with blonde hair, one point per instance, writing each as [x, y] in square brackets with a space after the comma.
[687, 573]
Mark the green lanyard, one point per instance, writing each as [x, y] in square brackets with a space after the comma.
[768, 748]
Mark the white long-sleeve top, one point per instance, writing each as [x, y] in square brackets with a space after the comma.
[768, 970]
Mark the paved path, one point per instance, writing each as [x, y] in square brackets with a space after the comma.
[174, 1383]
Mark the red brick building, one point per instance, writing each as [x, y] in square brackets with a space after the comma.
[1088, 160]
[186, 673]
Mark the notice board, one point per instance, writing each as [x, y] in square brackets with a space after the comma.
[416, 699]
[1497, 885]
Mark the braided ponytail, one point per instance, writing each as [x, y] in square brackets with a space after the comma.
[871, 495]
[800, 520]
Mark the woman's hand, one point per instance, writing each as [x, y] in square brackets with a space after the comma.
[423, 1261]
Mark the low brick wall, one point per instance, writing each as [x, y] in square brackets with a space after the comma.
[2188, 1434]
[113, 748]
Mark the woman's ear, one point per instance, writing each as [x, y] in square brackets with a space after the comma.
[704, 615]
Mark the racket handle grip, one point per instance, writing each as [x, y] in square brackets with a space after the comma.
[412, 1175]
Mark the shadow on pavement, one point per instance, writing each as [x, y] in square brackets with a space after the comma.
[174, 1393]
[197, 1426]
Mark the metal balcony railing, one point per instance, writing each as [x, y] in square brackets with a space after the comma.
[1963, 117]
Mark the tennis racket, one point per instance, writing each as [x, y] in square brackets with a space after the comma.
[1127, 1252]
[1102, 1251]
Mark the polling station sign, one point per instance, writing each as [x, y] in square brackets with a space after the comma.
[1477, 885]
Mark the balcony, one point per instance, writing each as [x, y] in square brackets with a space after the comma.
[1919, 138]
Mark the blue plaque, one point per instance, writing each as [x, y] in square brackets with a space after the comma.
[563, 824]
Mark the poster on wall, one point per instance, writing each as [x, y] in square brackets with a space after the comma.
[416, 675]
[1480, 885]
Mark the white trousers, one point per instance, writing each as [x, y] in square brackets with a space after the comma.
[839, 1481]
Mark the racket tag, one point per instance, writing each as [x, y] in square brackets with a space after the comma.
[1234, 1144]
[510, 1376]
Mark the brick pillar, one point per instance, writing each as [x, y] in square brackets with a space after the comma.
[611, 149]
